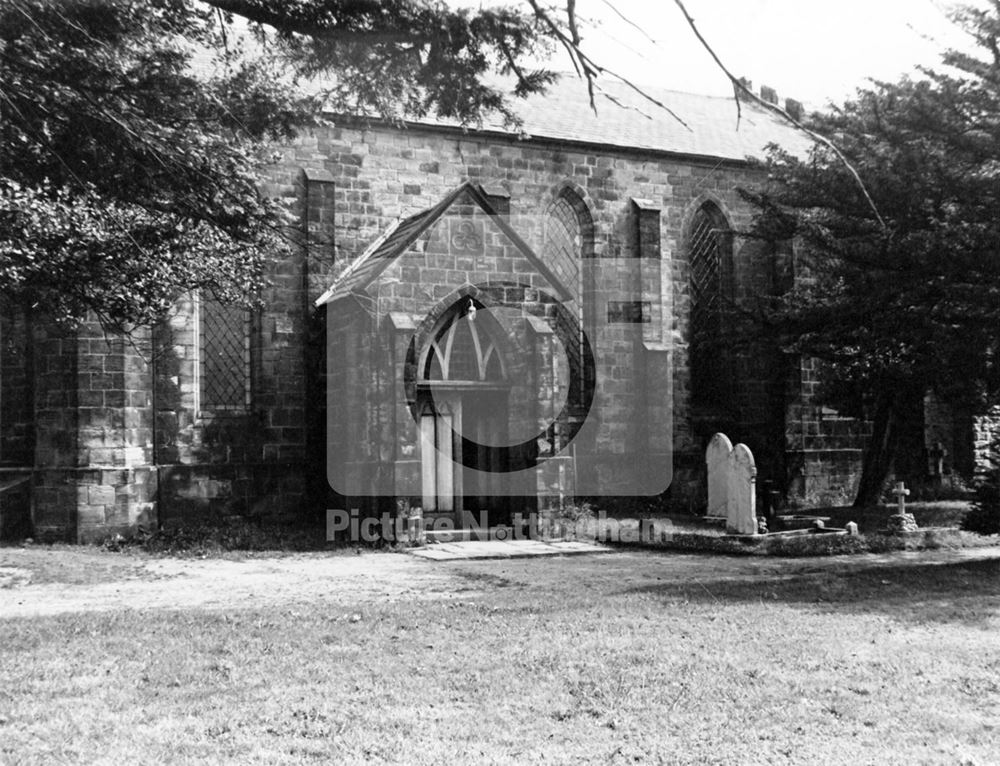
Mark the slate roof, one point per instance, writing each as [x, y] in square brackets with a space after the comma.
[711, 131]
[401, 234]
[563, 113]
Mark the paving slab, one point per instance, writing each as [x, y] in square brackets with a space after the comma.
[505, 549]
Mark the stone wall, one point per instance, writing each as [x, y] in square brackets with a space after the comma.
[986, 441]
[373, 175]
[245, 461]
[93, 452]
[17, 431]
[120, 439]
[16, 389]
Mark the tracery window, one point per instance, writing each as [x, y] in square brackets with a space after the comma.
[710, 257]
[461, 350]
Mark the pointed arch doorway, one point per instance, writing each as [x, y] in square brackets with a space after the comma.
[463, 397]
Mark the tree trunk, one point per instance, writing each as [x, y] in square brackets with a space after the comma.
[880, 451]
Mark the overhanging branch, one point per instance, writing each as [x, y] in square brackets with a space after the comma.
[739, 88]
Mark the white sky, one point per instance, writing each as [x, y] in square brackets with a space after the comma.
[812, 50]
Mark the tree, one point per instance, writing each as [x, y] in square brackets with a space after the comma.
[902, 296]
[127, 177]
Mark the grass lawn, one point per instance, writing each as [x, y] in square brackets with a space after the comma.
[630, 657]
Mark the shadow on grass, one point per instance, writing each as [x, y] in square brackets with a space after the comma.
[961, 592]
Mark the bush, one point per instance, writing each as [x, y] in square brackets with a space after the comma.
[952, 487]
[224, 536]
[568, 522]
[984, 517]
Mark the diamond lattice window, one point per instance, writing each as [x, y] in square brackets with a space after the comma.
[708, 245]
[225, 356]
[562, 254]
[563, 245]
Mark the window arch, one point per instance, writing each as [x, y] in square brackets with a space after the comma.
[564, 244]
[568, 238]
[710, 245]
[463, 350]
[568, 244]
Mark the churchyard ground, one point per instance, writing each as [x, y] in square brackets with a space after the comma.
[627, 657]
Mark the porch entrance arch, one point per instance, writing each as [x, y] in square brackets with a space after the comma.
[463, 396]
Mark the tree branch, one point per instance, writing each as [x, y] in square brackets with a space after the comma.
[739, 87]
[585, 66]
[283, 21]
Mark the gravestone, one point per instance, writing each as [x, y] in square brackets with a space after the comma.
[901, 493]
[741, 517]
[901, 521]
[717, 457]
[732, 478]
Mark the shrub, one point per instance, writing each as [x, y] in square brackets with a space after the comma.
[574, 519]
[206, 539]
[984, 517]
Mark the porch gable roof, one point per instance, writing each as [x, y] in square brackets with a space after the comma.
[402, 233]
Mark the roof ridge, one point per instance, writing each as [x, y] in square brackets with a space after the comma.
[712, 127]
[431, 214]
[384, 246]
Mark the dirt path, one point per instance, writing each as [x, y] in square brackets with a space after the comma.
[45, 581]
[165, 583]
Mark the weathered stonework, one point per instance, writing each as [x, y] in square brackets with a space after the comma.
[114, 437]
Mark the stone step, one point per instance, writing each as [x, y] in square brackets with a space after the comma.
[466, 535]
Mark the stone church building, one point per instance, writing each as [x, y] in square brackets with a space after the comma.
[478, 319]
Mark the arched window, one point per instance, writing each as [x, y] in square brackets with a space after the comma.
[567, 246]
[710, 244]
[564, 244]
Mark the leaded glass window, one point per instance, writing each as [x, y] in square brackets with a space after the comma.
[563, 245]
[566, 226]
[224, 358]
[709, 250]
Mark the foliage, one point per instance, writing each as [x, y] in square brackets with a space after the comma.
[822, 544]
[233, 535]
[124, 178]
[984, 517]
[906, 298]
[573, 521]
[405, 58]
[132, 134]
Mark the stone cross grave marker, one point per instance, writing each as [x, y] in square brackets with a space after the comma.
[900, 492]
[937, 454]
[717, 460]
[742, 516]
[901, 521]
